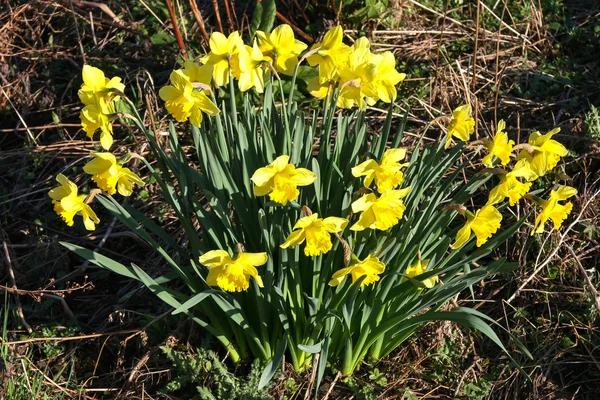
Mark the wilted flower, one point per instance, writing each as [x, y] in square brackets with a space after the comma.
[110, 176]
[232, 275]
[280, 180]
[485, 222]
[67, 203]
[379, 212]
[370, 268]
[317, 233]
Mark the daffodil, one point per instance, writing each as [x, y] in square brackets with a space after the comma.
[370, 268]
[317, 233]
[111, 176]
[357, 77]
[198, 73]
[387, 175]
[249, 68]
[68, 203]
[462, 125]
[183, 102]
[282, 47]
[330, 54]
[553, 210]
[222, 50]
[485, 222]
[379, 212]
[280, 180]
[546, 152]
[545, 144]
[383, 87]
[97, 86]
[98, 115]
[500, 147]
[232, 275]
[510, 186]
[418, 268]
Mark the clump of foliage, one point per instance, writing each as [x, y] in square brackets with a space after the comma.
[306, 235]
[211, 378]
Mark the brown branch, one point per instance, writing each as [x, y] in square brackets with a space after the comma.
[176, 29]
[215, 5]
[229, 19]
[199, 20]
[299, 31]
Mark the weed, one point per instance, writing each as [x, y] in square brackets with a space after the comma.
[204, 370]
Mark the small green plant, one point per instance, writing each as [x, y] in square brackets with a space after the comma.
[204, 371]
[591, 123]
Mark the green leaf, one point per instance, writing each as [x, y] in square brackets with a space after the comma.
[268, 15]
[100, 260]
[272, 365]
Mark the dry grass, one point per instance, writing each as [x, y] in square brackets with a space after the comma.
[456, 56]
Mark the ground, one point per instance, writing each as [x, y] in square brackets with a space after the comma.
[75, 331]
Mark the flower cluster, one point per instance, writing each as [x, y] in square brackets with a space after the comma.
[363, 77]
[280, 181]
[99, 94]
[535, 159]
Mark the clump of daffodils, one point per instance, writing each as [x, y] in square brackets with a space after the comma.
[289, 230]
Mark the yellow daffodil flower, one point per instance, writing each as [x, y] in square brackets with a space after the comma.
[370, 268]
[510, 186]
[500, 147]
[232, 275]
[282, 47]
[96, 116]
[547, 152]
[97, 86]
[545, 144]
[357, 77]
[198, 73]
[183, 102]
[379, 213]
[280, 180]
[249, 69]
[387, 175]
[67, 203]
[317, 233]
[222, 50]
[111, 176]
[485, 222]
[462, 125]
[331, 54]
[387, 77]
[552, 209]
[418, 268]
